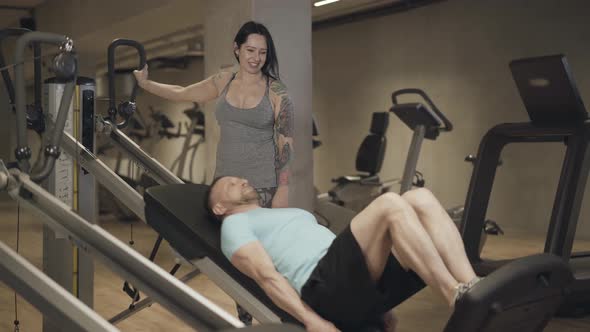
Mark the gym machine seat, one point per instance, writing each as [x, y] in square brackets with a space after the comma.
[369, 157]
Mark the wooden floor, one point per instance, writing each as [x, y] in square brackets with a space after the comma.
[424, 312]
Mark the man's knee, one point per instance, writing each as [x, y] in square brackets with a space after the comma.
[391, 206]
[421, 199]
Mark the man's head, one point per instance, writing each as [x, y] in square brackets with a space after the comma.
[229, 195]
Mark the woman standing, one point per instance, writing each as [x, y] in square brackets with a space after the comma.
[254, 113]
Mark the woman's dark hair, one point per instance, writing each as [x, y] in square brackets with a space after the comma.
[271, 66]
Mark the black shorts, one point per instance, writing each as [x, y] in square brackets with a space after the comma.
[341, 290]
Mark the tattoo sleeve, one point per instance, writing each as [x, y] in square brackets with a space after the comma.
[283, 132]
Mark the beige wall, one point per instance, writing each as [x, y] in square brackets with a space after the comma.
[222, 20]
[293, 37]
[458, 52]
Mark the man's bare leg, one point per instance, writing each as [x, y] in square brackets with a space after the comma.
[442, 231]
[389, 224]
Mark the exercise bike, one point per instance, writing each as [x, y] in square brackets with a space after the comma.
[427, 122]
[356, 191]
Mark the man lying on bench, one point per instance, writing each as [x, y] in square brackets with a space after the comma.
[388, 253]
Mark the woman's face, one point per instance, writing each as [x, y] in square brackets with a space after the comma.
[252, 53]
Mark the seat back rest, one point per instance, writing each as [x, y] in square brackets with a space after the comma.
[179, 213]
[522, 296]
[369, 157]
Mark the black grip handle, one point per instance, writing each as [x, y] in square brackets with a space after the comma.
[111, 74]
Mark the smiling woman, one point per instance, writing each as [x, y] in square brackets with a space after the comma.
[254, 113]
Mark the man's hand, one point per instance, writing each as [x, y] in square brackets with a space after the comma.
[318, 324]
[252, 260]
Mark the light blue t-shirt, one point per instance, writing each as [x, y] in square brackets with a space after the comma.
[292, 238]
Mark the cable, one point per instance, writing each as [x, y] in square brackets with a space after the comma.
[16, 321]
[131, 242]
[12, 65]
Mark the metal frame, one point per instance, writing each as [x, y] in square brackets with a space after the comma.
[566, 207]
[189, 306]
[230, 286]
[151, 166]
[146, 302]
[412, 158]
[46, 295]
[129, 196]
[104, 175]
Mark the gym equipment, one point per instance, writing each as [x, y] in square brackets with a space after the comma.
[175, 296]
[196, 126]
[70, 267]
[357, 191]
[35, 284]
[425, 122]
[557, 114]
[328, 213]
[126, 108]
[139, 130]
[34, 111]
[522, 296]
[64, 66]
[45, 294]
[337, 208]
[526, 292]
[191, 233]
[428, 123]
[23, 152]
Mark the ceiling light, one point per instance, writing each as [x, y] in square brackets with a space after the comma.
[323, 2]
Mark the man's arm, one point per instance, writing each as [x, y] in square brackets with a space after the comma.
[284, 118]
[252, 260]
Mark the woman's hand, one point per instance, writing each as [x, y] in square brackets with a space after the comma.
[141, 75]
[281, 197]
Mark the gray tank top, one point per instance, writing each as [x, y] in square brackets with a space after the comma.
[246, 145]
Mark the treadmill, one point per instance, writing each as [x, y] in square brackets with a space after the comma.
[557, 114]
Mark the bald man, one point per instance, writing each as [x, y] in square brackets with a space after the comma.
[390, 251]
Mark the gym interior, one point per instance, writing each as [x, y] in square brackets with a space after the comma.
[341, 63]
